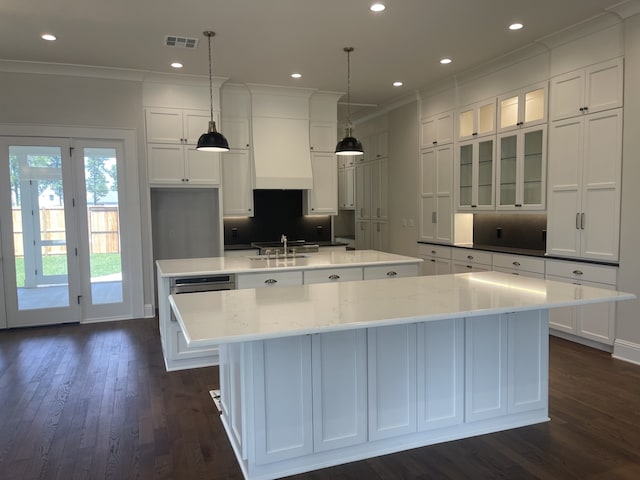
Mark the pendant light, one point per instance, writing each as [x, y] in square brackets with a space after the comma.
[212, 141]
[349, 145]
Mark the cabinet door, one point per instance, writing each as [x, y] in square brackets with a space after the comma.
[565, 173]
[597, 322]
[363, 234]
[435, 266]
[164, 125]
[202, 168]
[322, 199]
[477, 120]
[237, 191]
[601, 177]
[391, 271]
[166, 164]
[282, 398]
[236, 131]
[528, 358]
[195, 123]
[522, 108]
[440, 372]
[268, 279]
[392, 381]
[339, 371]
[567, 95]
[380, 236]
[363, 190]
[323, 136]
[332, 275]
[604, 86]
[350, 187]
[436, 184]
[485, 367]
[475, 175]
[379, 188]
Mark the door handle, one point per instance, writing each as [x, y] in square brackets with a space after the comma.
[271, 281]
[582, 220]
[334, 277]
[578, 221]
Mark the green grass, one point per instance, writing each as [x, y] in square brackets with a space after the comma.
[101, 264]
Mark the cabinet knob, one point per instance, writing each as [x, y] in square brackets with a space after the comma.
[474, 134]
[517, 264]
[433, 252]
[334, 277]
[435, 142]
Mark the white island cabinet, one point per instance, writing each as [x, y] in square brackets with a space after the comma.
[330, 264]
[318, 375]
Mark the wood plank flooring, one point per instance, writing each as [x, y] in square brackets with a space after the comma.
[94, 401]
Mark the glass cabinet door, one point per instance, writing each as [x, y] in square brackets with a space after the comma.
[507, 181]
[485, 173]
[466, 175]
[533, 168]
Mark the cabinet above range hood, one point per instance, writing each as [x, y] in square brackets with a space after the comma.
[281, 150]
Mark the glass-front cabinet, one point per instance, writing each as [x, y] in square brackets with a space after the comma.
[475, 175]
[521, 170]
[477, 120]
[523, 108]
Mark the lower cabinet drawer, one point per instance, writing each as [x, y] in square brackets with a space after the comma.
[268, 279]
[390, 271]
[333, 275]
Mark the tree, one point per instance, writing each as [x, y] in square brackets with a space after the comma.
[96, 174]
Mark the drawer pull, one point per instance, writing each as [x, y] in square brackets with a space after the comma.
[517, 264]
[392, 273]
[334, 277]
[271, 281]
[470, 257]
[433, 252]
[577, 272]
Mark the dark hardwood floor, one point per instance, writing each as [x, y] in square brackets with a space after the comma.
[94, 401]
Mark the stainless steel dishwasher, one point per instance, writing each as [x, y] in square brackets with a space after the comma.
[206, 283]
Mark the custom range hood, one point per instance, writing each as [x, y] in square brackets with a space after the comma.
[280, 125]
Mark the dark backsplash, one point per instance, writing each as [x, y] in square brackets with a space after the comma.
[527, 231]
[277, 212]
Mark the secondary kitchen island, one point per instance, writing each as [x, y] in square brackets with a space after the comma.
[180, 275]
[317, 375]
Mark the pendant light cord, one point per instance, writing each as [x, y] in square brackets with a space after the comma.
[348, 50]
[209, 35]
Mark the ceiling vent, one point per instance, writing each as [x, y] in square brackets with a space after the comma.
[180, 42]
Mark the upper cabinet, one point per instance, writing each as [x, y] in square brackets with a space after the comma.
[172, 135]
[589, 90]
[437, 130]
[523, 108]
[521, 169]
[477, 120]
[375, 147]
[475, 173]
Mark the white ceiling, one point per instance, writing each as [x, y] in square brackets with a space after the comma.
[260, 41]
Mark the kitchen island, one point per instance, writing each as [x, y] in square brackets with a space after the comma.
[260, 271]
[317, 375]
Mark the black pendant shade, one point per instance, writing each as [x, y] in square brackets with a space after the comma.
[212, 141]
[349, 145]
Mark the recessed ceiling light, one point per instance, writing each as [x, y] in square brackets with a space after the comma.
[445, 61]
[515, 26]
[47, 36]
[397, 84]
[176, 65]
[377, 7]
[296, 75]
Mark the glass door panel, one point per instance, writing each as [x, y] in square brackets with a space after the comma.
[533, 167]
[507, 181]
[485, 173]
[466, 175]
[534, 105]
[103, 222]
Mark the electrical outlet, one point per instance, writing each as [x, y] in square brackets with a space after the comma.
[234, 233]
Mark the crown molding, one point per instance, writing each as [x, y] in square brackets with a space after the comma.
[626, 9]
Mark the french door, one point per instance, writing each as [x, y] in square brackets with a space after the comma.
[60, 234]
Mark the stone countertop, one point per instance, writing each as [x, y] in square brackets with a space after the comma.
[249, 264]
[248, 246]
[214, 318]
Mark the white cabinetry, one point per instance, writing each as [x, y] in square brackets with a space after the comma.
[477, 120]
[237, 173]
[475, 173]
[437, 259]
[585, 157]
[589, 90]
[591, 322]
[390, 271]
[436, 194]
[521, 169]
[523, 108]
[268, 279]
[518, 265]
[468, 260]
[322, 199]
[392, 381]
[343, 274]
[436, 130]
[346, 183]
[172, 135]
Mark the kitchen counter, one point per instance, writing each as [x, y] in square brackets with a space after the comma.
[318, 375]
[319, 260]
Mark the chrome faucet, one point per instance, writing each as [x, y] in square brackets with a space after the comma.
[283, 239]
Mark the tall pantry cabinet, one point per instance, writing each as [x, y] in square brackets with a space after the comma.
[585, 163]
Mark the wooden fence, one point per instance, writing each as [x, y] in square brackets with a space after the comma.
[103, 231]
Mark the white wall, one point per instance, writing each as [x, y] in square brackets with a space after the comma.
[628, 315]
[41, 99]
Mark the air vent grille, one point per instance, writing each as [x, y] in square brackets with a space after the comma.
[180, 42]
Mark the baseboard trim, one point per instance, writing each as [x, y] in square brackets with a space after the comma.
[626, 351]
[149, 311]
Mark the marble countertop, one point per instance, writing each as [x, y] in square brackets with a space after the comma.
[214, 318]
[248, 264]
